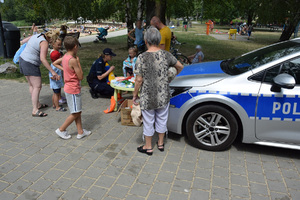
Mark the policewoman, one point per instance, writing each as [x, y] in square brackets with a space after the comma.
[98, 75]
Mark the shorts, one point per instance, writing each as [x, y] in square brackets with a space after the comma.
[74, 102]
[159, 117]
[29, 69]
[57, 91]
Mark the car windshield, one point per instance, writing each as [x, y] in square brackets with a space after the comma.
[260, 57]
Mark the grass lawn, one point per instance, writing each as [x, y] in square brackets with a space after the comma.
[213, 49]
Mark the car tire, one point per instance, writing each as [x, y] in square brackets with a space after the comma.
[211, 127]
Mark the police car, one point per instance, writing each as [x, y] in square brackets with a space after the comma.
[255, 97]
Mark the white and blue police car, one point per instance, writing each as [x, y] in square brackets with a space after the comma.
[255, 96]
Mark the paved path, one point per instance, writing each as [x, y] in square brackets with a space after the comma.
[226, 37]
[222, 36]
[36, 164]
[91, 38]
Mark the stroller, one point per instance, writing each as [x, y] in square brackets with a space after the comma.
[101, 35]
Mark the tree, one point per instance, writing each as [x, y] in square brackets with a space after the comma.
[156, 8]
[140, 10]
[129, 22]
[247, 9]
[181, 8]
[284, 12]
[8, 10]
[224, 10]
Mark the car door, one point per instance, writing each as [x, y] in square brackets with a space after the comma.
[278, 113]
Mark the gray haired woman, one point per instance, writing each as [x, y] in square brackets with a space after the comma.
[151, 71]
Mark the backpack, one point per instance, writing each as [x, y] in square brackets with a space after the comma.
[18, 53]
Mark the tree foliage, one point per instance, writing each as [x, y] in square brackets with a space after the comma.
[266, 11]
[280, 12]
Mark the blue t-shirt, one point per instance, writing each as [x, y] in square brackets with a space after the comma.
[53, 83]
[138, 35]
[196, 59]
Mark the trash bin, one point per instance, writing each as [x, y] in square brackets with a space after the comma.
[12, 39]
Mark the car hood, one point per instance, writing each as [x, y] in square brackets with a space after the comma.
[200, 75]
[202, 68]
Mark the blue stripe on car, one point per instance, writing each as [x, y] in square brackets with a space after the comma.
[270, 107]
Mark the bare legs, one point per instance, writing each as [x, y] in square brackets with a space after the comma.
[73, 117]
[157, 117]
[148, 141]
[55, 99]
[148, 144]
[35, 86]
[161, 139]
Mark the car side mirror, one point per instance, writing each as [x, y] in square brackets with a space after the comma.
[283, 81]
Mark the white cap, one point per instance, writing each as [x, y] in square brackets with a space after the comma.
[198, 47]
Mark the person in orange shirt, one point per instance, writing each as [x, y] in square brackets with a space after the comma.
[165, 32]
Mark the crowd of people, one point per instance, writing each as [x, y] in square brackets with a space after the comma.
[151, 70]
[242, 28]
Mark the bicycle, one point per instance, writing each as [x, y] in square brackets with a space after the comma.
[178, 55]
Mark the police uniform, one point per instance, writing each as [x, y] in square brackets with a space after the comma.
[99, 86]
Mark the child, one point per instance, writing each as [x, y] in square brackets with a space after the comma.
[138, 33]
[249, 29]
[129, 63]
[72, 75]
[198, 56]
[56, 85]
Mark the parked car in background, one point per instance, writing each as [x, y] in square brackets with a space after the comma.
[255, 97]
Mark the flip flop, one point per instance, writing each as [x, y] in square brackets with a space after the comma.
[43, 106]
[39, 114]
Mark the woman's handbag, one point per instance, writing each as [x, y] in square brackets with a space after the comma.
[136, 115]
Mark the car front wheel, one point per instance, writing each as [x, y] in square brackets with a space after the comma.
[211, 127]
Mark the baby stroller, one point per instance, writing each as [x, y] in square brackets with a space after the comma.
[101, 35]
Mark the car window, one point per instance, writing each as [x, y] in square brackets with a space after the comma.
[259, 57]
[291, 67]
[295, 69]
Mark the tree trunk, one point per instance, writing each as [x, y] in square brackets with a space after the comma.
[290, 27]
[250, 17]
[156, 8]
[129, 22]
[140, 10]
[287, 32]
[161, 7]
[150, 11]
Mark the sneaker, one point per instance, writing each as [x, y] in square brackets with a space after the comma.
[63, 134]
[62, 101]
[85, 133]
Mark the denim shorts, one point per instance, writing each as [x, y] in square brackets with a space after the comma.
[29, 69]
[57, 91]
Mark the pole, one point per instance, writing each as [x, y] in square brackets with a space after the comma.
[2, 38]
[201, 10]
